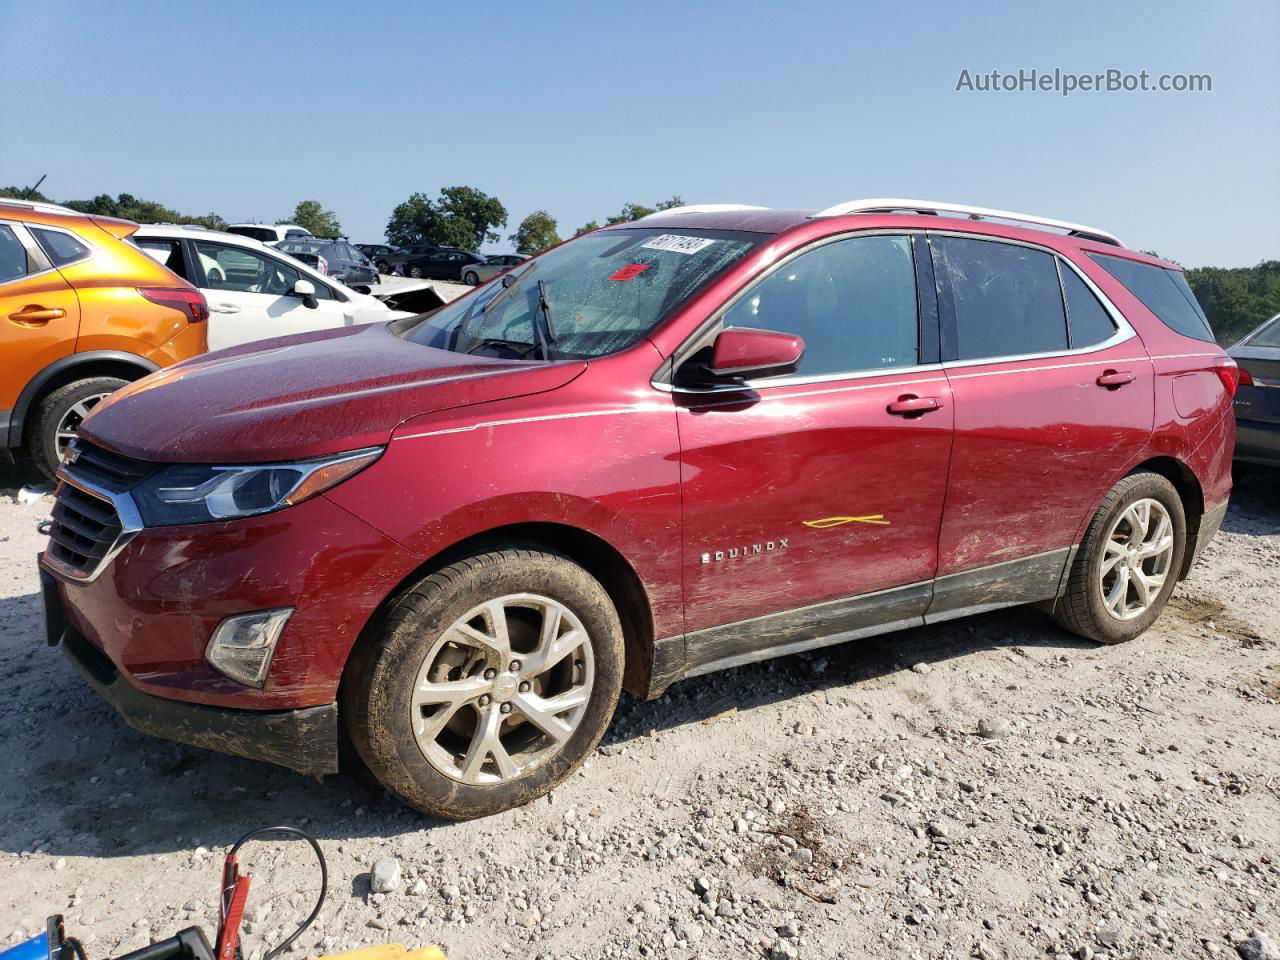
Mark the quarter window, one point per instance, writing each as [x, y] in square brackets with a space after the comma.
[13, 256]
[853, 301]
[1164, 292]
[1087, 319]
[61, 248]
[167, 253]
[1005, 299]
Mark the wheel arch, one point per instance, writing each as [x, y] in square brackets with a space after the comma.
[1190, 492]
[76, 366]
[593, 553]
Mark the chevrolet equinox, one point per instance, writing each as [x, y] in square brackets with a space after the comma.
[707, 437]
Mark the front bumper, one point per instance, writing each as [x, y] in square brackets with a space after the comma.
[304, 740]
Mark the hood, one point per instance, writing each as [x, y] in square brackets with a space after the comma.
[302, 396]
[419, 296]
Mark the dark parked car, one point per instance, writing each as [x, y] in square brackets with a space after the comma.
[334, 258]
[1258, 399]
[384, 256]
[447, 263]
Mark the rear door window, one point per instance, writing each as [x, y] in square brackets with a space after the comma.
[1087, 320]
[61, 248]
[853, 301]
[1164, 292]
[13, 255]
[1004, 299]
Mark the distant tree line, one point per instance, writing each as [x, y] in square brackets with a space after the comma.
[1235, 299]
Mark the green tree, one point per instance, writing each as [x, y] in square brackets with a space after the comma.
[631, 211]
[128, 207]
[460, 217]
[1236, 299]
[586, 228]
[536, 232]
[20, 193]
[321, 222]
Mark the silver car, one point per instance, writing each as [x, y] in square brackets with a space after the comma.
[498, 263]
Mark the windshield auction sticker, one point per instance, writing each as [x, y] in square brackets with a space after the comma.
[678, 244]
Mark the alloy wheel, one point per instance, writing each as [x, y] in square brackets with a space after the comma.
[503, 689]
[1136, 559]
[69, 425]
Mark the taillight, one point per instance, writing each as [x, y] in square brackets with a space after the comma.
[183, 299]
[322, 265]
[1244, 377]
[1230, 375]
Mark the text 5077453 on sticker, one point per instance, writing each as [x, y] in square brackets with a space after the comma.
[678, 244]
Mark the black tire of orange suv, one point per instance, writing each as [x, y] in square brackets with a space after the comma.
[59, 414]
[489, 683]
[1128, 561]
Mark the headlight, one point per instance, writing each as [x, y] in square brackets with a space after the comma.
[200, 493]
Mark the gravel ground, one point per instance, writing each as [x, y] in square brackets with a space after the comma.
[991, 787]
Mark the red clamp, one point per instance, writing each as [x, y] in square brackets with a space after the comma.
[235, 891]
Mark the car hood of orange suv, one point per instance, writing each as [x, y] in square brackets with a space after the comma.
[303, 396]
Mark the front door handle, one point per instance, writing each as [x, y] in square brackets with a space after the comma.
[36, 315]
[224, 308]
[909, 405]
[1114, 379]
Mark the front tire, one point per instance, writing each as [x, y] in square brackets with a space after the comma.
[59, 415]
[489, 683]
[1128, 561]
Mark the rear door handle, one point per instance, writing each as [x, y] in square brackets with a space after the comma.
[909, 405]
[1112, 379]
[37, 315]
[224, 308]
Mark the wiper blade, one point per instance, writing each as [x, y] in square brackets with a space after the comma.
[509, 283]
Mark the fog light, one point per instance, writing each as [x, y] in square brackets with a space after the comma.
[241, 646]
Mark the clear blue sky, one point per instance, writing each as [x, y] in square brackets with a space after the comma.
[245, 108]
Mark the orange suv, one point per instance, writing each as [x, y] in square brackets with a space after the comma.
[82, 313]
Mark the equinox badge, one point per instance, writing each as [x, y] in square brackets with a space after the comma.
[747, 550]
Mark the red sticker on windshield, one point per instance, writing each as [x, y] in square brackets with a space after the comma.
[630, 271]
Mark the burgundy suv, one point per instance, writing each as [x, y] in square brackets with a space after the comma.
[710, 436]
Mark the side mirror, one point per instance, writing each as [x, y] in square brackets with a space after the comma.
[306, 290]
[747, 353]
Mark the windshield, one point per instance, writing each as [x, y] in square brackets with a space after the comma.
[590, 297]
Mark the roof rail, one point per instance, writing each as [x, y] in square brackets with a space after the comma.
[704, 208]
[933, 207]
[37, 205]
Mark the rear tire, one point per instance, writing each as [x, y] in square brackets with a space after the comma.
[415, 273]
[472, 279]
[460, 728]
[383, 267]
[58, 417]
[1124, 571]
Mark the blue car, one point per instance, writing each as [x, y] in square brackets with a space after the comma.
[1258, 399]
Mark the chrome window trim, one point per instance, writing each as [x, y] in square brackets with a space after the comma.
[1124, 332]
[130, 526]
[32, 227]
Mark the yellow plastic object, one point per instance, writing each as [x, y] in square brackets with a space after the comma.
[388, 951]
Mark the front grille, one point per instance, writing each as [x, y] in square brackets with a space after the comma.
[85, 527]
[104, 468]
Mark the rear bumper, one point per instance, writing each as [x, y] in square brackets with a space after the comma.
[1258, 442]
[1199, 538]
[304, 740]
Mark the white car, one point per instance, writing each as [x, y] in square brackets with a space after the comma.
[255, 291]
[271, 233]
